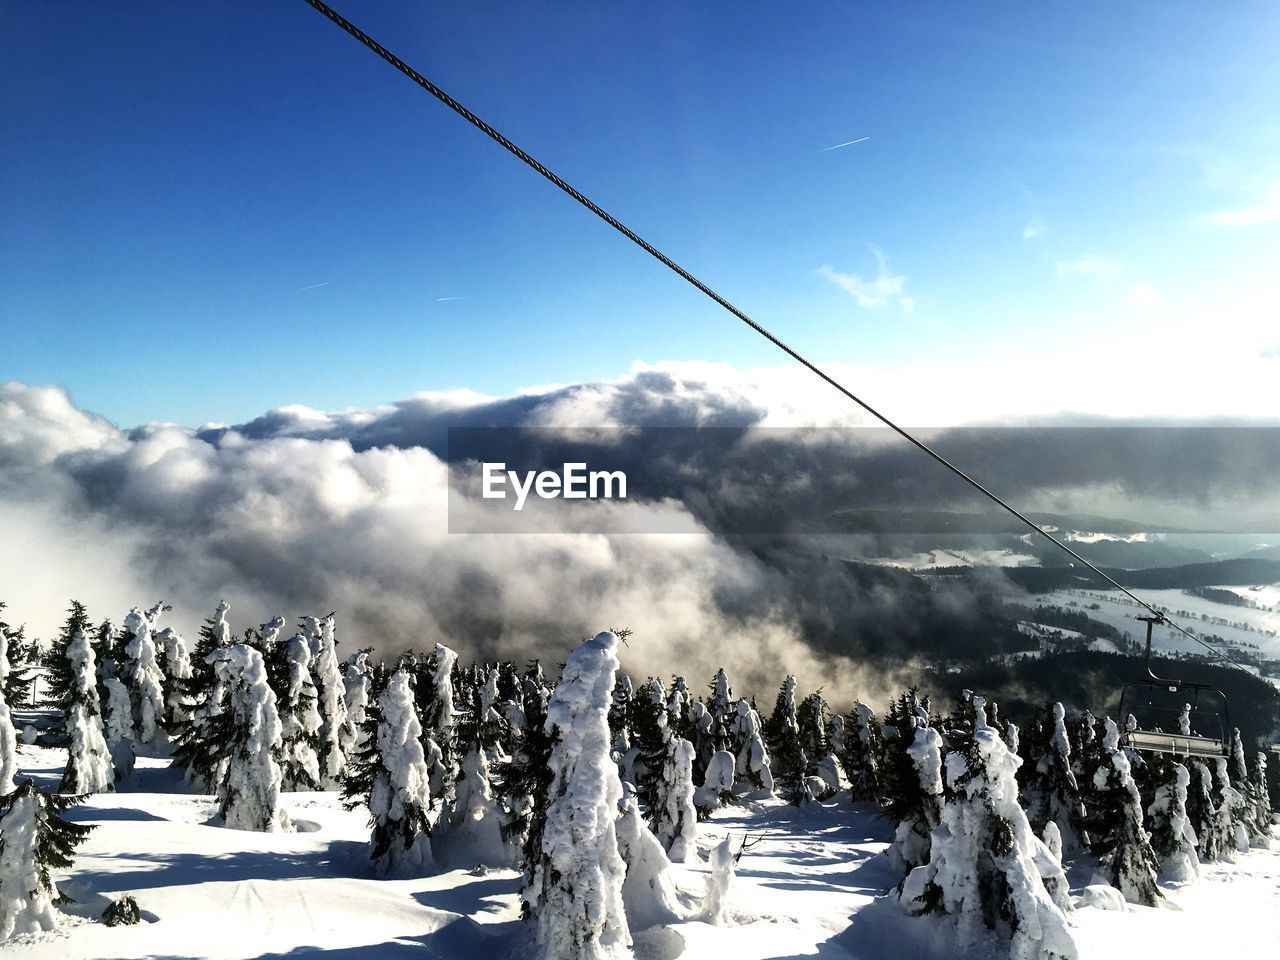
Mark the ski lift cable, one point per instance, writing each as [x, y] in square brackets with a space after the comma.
[684, 274]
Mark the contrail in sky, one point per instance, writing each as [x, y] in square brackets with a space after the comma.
[314, 286]
[445, 299]
[847, 143]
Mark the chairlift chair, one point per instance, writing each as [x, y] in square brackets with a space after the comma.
[1145, 739]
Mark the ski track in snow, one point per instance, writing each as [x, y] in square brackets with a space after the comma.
[813, 886]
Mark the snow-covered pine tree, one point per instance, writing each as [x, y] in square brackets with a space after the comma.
[299, 717]
[174, 662]
[435, 697]
[652, 740]
[1258, 833]
[141, 675]
[751, 760]
[198, 750]
[721, 707]
[1228, 804]
[8, 749]
[331, 699]
[1052, 792]
[356, 686]
[699, 727]
[1172, 837]
[861, 744]
[1260, 796]
[649, 891]
[117, 721]
[58, 680]
[16, 660]
[523, 782]
[717, 786]
[473, 818]
[811, 718]
[987, 869]
[1113, 818]
[88, 768]
[575, 894]
[677, 826]
[620, 707]
[34, 840]
[1203, 815]
[249, 725]
[789, 763]
[390, 776]
[911, 781]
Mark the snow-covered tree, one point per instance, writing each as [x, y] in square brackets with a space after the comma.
[575, 893]
[1257, 829]
[811, 718]
[473, 833]
[523, 783]
[857, 755]
[197, 747]
[1228, 804]
[16, 659]
[174, 661]
[649, 892]
[1172, 837]
[390, 775]
[435, 692]
[58, 680]
[299, 718]
[8, 748]
[1202, 814]
[356, 686]
[1052, 793]
[699, 726]
[117, 721]
[249, 792]
[715, 899]
[911, 782]
[987, 870]
[1260, 796]
[331, 699]
[34, 840]
[721, 707]
[751, 755]
[141, 675]
[677, 826]
[652, 740]
[88, 768]
[717, 785]
[1114, 822]
[789, 763]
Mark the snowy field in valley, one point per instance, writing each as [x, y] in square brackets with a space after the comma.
[1119, 611]
[812, 886]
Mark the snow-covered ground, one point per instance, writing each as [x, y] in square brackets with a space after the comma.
[1245, 626]
[812, 886]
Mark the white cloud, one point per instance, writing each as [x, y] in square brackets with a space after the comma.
[1035, 228]
[1143, 297]
[872, 294]
[1263, 212]
[1088, 265]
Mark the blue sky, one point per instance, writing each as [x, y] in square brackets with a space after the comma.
[212, 209]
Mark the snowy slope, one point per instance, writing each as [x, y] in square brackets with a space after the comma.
[811, 886]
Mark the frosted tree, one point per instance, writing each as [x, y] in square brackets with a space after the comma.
[653, 741]
[1228, 804]
[811, 717]
[356, 686]
[1257, 829]
[987, 869]
[299, 718]
[474, 825]
[141, 674]
[720, 705]
[1052, 791]
[717, 785]
[715, 899]
[34, 840]
[1114, 822]
[751, 764]
[16, 660]
[677, 826]
[249, 793]
[857, 754]
[436, 697]
[88, 768]
[8, 748]
[699, 729]
[575, 893]
[1260, 796]
[523, 783]
[1172, 837]
[620, 707]
[117, 722]
[789, 763]
[174, 662]
[58, 679]
[391, 777]
[911, 782]
[678, 707]
[1202, 815]
[197, 748]
[331, 700]
[649, 892]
